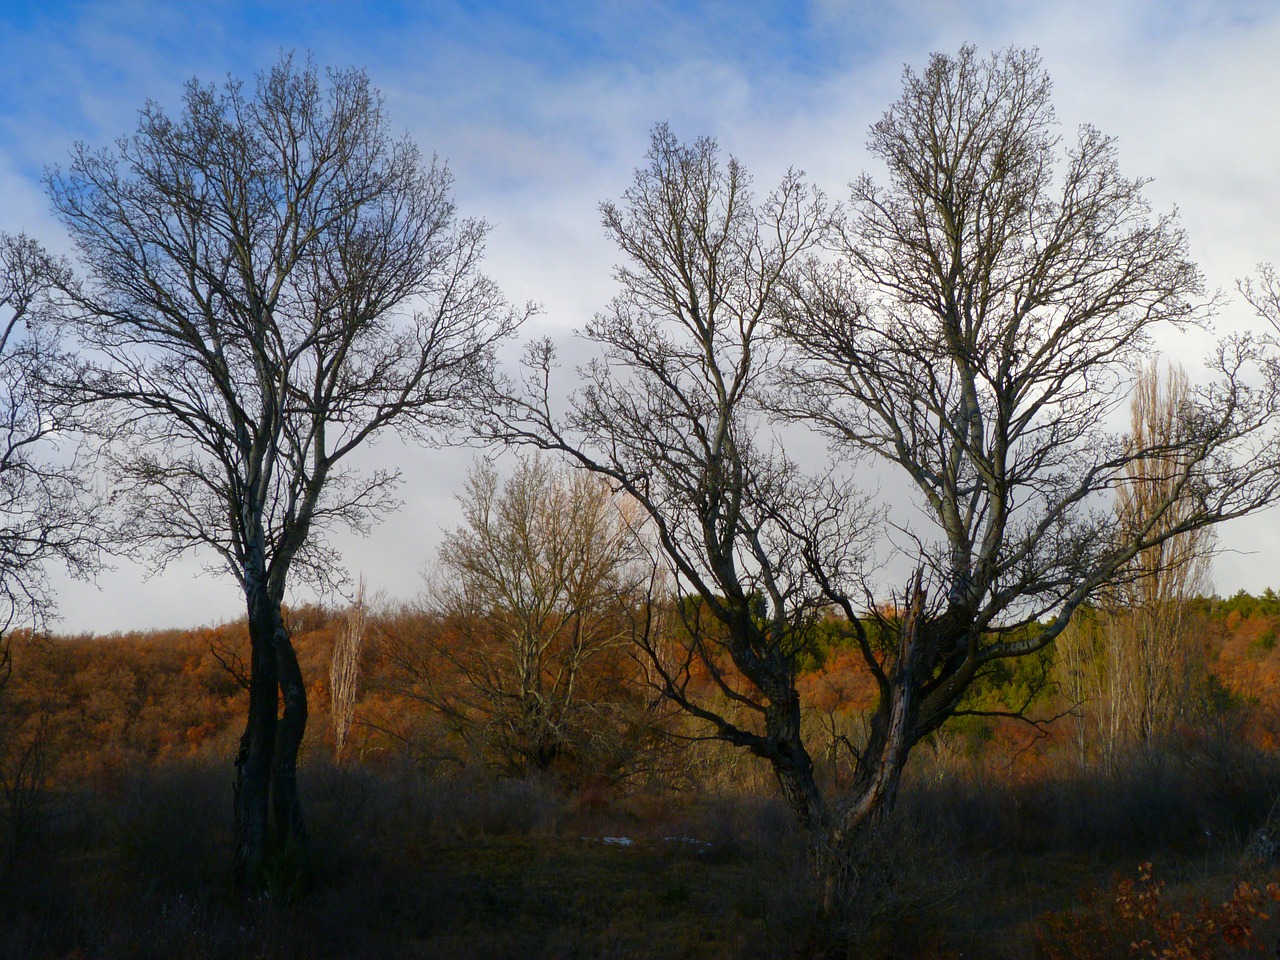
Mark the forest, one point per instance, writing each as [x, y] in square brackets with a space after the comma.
[958, 687]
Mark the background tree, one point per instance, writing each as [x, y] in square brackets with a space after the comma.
[673, 414]
[344, 669]
[46, 511]
[1135, 660]
[1161, 580]
[273, 281]
[976, 333]
[533, 601]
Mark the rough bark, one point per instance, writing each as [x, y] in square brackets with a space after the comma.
[290, 832]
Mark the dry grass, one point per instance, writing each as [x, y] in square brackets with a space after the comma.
[473, 867]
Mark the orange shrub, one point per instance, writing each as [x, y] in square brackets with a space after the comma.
[1133, 919]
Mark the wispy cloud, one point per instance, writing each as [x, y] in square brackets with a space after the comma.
[542, 109]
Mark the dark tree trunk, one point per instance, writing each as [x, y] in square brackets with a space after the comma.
[290, 831]
[270, 836]
[791, 762]
[254, 759]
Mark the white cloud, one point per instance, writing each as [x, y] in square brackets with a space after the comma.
[537, 137]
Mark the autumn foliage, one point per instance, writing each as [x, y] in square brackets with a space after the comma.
[1133, 918]
[100, 736]
[106, 703]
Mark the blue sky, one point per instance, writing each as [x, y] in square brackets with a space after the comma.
[543, 108]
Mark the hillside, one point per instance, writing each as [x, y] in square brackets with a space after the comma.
[117, 779]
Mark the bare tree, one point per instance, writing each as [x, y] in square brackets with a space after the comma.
[46, 511]
[534, 597]
[673, 414]
[976, 332]
[273, 281]
[1130, 667]
[344, 669]
[1262, 292]
[1159, 581]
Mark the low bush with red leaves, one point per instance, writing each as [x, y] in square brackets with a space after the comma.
[1132, 918]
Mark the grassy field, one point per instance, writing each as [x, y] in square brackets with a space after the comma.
[467, 867]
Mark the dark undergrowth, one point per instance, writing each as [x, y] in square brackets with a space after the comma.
[470, 867]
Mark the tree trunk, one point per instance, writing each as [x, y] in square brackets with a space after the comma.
[791, 762]
[893, 732]
[289, 828]
[835, 848]
[270, 836]
[257, 748]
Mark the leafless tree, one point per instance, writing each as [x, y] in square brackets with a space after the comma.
[534, 597]
[344, 669]
[1153, 597]
[1262, 292]
[48, 514]
[976, 332]
[46, 510]
[1132, 666]
[273, 281]
[675, 414]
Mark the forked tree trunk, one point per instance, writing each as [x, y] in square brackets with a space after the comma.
[880, 772]
[270, 837]
[835, 849]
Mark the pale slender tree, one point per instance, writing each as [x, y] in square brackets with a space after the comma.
[1153, 595]
[1077, 670]
[273, 281]
[533, 597]
[47, 512]
[1130, 664]
[344, 669]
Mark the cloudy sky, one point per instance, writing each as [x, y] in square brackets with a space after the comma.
[542, 109]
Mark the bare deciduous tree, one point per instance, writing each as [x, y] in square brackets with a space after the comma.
[1158, 583]
[46, 512]
[1262, 292]
[1131, 667]
[534, 597]
[673, 414]
[273, 281]
[976, 333]
[975, 329]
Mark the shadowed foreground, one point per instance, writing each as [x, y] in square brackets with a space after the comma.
[471, 868]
